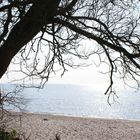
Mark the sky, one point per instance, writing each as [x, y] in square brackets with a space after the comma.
[81, 76]
[90, 75]
[85, 76]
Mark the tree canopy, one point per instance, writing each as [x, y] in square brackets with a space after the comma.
[47, 33]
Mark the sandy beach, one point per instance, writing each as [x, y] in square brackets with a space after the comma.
[45, 127]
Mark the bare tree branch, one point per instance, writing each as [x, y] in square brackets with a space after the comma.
[46, 36]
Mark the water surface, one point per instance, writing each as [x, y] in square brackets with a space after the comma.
[82, 101]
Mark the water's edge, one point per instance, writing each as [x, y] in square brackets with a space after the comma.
[81, 101]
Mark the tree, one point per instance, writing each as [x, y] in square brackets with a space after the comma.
[48, 32]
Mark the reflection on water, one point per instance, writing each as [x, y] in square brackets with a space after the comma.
[82, 101]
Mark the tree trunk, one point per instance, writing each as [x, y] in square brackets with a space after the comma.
[40, 14]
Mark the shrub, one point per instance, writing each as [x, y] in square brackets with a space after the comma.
[12, 135]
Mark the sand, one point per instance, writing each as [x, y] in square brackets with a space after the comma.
[45, 127]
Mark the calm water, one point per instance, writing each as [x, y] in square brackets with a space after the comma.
[82, 101]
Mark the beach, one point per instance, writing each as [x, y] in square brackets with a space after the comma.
[46, 127]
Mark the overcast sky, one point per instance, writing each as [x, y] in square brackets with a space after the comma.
[81, 76]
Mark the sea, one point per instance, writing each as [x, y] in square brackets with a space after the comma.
[81, 100]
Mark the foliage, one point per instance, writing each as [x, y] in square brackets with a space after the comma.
[12, 135]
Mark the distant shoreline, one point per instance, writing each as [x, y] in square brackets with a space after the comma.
[46, 126]
[71, 115]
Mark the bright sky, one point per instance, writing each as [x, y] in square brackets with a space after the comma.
[81, 76]
[89, 75]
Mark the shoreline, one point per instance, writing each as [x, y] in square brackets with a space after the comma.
[46, 126]
[75, 116]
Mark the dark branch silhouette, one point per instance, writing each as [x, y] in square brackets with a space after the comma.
[54, 28]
